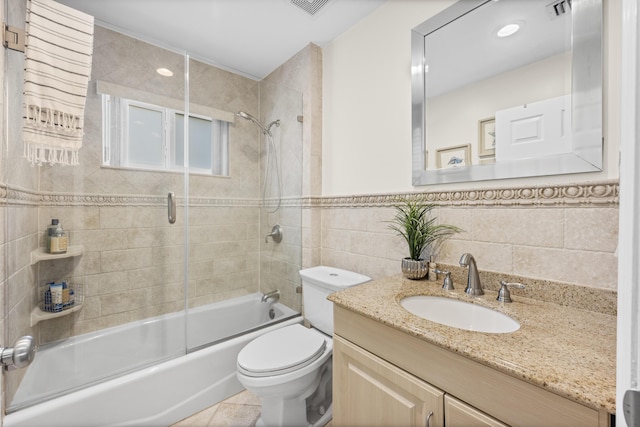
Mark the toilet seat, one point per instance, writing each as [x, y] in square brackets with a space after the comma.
[281, 351]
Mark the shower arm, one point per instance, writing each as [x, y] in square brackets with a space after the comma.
[267, 131]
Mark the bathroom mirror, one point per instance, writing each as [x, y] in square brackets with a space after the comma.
[493, 107]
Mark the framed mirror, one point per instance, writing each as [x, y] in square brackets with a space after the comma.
[507, 89]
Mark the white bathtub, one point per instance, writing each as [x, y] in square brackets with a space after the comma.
[154, 394]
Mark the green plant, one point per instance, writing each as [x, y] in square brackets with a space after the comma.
[413, 222]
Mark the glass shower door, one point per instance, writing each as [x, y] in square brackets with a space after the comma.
[231, 209]
[126, 259]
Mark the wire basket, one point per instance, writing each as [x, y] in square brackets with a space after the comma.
[71, 297]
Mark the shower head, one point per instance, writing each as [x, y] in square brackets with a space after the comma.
[272, 153]
[251, 118]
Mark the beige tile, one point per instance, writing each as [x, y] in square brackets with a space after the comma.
[125, 259]
[233, 415]
[335, 238]
[244, 398]
[488, 256]
[460, 217]
[591, 229]
[377, 245]
[597, 269]
[200, 419]
[99, 240]
[530, 227]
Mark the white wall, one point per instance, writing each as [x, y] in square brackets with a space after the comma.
[454, 121]
[367, 104]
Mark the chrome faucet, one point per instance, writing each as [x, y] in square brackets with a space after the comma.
[274, 295]
[503, 294]
[474, 287]
[276, 234]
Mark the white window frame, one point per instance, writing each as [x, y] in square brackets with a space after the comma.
[125, 161]
[115, 138]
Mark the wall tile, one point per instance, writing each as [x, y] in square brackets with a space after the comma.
[595, 268]
[127, 259]
[591, 229]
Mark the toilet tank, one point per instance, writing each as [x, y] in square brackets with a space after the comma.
[317, 284]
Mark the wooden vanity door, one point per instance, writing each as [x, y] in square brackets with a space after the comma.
[459, 414]
[368, 391]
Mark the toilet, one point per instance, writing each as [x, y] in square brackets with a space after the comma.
[290, 368]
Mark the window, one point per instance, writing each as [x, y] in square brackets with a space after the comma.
[139, 135]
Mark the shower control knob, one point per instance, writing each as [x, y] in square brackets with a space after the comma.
[20, 355]
[276, 234]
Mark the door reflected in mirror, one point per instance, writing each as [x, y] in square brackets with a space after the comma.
[504, 80]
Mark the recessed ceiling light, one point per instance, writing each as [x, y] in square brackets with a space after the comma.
[164, 72]
[508, 30]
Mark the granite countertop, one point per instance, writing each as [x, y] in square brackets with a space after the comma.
[568, 351]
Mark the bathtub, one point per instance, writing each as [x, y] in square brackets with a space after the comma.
[81, 381]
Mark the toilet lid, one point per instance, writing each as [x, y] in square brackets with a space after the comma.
[283, 350]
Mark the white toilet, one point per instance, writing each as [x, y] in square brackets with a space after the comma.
[290, 368]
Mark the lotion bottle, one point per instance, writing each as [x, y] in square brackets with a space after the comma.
[433, 276]
[58, 241]
[51, 228]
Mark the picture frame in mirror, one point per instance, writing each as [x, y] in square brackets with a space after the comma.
[487, 137]
[453, 157]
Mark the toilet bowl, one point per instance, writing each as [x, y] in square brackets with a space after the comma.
[290, 368]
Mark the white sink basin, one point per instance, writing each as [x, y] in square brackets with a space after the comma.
[460, 314]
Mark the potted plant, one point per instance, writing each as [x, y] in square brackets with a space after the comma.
[414, 223]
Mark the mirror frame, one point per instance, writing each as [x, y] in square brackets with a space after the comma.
[586, 97]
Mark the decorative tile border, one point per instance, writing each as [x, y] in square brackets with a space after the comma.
[600, 194]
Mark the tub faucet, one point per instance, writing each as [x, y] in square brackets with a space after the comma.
[474, 287]
[274, 295]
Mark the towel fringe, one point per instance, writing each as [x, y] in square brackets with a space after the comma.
[38, 154]
[47, 118]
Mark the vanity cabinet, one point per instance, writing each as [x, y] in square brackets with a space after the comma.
[368, 391]
[383, 376]
[372, 392]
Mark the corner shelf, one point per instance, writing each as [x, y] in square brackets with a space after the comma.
[38, 315]
[41, 254]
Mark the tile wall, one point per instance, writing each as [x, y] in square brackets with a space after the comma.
[566, 233]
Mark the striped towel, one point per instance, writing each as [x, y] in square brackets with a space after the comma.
[58, 51]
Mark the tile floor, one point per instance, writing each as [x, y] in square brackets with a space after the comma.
[241, 410]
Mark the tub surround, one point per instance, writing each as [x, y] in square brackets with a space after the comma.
[565, 350]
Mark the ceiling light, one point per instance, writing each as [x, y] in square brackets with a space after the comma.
[508, 30]
[164, 72]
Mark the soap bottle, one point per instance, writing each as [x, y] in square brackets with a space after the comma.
[51, 228]
[432, 276]
[58, 241]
